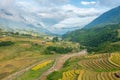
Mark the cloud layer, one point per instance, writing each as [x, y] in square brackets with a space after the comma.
[58, 16]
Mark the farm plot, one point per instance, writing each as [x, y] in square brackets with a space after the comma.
[36, 71]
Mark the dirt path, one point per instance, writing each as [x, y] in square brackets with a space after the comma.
[59, 63]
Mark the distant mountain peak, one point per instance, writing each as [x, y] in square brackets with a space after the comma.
[110, 17]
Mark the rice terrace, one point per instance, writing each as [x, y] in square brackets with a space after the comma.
[59, 39]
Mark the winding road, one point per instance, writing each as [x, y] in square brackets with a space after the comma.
[59, 63]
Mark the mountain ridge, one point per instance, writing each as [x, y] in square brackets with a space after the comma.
[99, 38]
[110, 17]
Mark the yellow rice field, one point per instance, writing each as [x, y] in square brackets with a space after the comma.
[39, 66]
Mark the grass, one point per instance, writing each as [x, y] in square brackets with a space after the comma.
[20, 55]
[55, 75]
[23, 53]
[33, 74]
[118, 33]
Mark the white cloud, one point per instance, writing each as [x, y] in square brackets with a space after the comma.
[52, 2]
[72, 11]
[88, 2]
[59, 14]
[26, 6]
[7, 3]
[70, 24]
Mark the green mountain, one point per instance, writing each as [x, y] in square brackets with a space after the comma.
[110, 17]
[101, 35]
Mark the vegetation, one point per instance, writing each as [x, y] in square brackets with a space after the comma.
[55, 39]
[119, 33]
[96, 38]
[106, 47]
[19, 52]
[60, 50]
[69, 66]
[70, 75]
[88, 67]
[4, 33]
[30, 56]
[39, 66]
[6, 43]
[115, 58]
[33, 74]
[54, 75]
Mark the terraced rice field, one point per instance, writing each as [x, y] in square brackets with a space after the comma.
[70, 75]
[91, 75]
[115, 59]
[93, 67]
[98, 64]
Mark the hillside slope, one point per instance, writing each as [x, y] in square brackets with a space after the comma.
[99, 34]
[110, 17]
[96, 39]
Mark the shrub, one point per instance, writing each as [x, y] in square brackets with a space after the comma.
[61, 50]
[6, 43]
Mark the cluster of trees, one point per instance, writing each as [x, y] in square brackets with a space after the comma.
[10, 33]
[6, 43]
[55, 39]
[60, 50]
[106, 47]
[95, 39]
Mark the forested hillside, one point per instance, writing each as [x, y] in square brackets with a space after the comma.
[100, 34]
[98, 39]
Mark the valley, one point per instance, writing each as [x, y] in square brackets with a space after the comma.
[27, 60]
[19, 54]
[60, 40]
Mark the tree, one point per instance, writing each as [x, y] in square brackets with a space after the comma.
[55, 39]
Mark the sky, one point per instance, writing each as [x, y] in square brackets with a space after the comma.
[58, 16]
